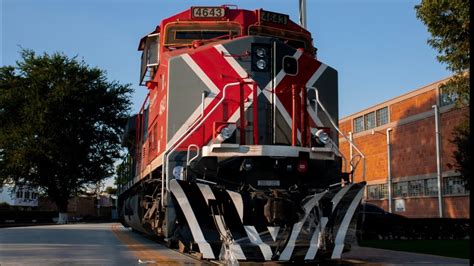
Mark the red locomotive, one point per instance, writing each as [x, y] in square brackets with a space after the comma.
[234, 153]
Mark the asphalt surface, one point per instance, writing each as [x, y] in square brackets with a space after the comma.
[111, 244]
[83, 244]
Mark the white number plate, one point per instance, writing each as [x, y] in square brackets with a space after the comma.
[208, 12]
[268, 183]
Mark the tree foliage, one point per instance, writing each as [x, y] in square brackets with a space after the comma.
[462, 155]
[61, 122]
[448, 21]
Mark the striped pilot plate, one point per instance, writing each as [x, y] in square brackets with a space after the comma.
[222, 225]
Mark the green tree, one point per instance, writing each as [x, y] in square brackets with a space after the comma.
[462, 155]
[448, 21]
[61, 122]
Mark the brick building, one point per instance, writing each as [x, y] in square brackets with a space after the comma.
[409, 121]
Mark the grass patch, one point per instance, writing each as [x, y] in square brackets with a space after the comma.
[447, 248]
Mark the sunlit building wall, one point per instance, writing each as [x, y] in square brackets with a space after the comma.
[409, 120]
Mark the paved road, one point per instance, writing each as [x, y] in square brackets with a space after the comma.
[83, 244]
[111, 244]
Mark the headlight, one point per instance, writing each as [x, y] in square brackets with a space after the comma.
[178, 172]
[321, 136]
[261, 52]
[261, 64]
[225, 133]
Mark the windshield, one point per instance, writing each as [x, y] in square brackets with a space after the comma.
[183, 34]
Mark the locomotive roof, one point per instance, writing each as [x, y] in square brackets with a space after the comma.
[232, 13]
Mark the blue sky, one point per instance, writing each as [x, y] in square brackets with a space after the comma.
[378, 47]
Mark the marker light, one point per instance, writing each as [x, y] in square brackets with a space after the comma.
[261, 52]
[302, 166]
[261, 64]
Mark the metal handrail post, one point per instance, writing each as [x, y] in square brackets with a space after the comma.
[340, 132]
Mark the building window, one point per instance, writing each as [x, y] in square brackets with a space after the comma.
[382, 116]
[446, 98]
[400, 189]
[454, 185]
[378, 191]
[359, 124]
[34, 195]
[431, 187]
[27, 194]
[369, 120]
[415, 188]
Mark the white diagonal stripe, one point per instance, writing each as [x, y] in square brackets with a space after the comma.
[316, 239]
[238, 203]
[242, 74]
[316, 75]
[335, 200]
[231, 60]
[290, 246]
[200, 73]
[207, 193]
[209, 84]
[273, 230]
[279, 77]
[204, 246]
[254, 237]
[341, 232]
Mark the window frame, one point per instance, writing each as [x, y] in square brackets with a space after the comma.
[169, 39]
[355, 128]
[365, 120]
[377, 117]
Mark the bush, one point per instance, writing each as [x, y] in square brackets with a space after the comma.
[413, 228]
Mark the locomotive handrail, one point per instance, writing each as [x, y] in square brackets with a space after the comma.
[189, 160]
[181, 139]
[340, 132]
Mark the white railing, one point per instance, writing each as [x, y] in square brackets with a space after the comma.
[341, 133]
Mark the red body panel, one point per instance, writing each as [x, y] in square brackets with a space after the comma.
[220, 72]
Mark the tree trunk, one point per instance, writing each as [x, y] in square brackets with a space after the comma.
[62, 208]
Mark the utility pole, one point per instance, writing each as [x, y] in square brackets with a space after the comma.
[303, 13]
[438, 159]
[389, 170]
